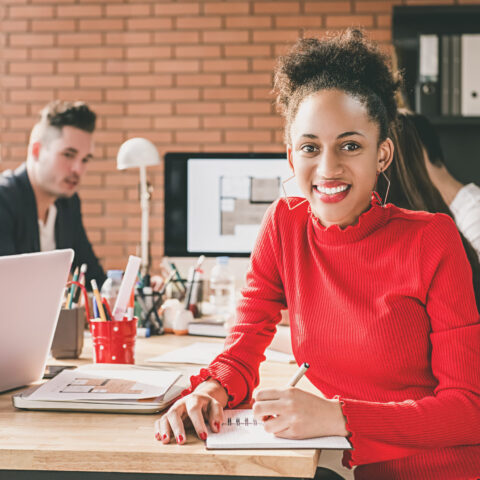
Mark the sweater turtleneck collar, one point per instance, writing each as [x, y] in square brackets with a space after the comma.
[368, 222]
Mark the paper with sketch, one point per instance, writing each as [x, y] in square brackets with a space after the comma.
[106, 384]
[240, 430]
[202, 353]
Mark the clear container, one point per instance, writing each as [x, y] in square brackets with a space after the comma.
[111, 286]
[222, 290]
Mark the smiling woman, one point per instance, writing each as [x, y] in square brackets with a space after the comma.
[380, 298]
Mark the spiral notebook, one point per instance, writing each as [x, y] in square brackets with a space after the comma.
[240, 430]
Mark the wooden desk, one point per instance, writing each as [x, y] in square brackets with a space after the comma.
[35, 442]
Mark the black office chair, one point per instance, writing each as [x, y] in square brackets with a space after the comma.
[326, 474]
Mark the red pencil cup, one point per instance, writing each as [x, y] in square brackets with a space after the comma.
[113, 341]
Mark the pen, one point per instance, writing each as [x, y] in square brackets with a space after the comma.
[99, 300]
[300, 373]
[200, 260]
[72, 288]
[81, 279]
[108, 312]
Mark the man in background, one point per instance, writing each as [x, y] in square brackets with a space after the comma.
[39, 207]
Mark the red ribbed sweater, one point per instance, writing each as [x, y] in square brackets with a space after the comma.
[385, 314]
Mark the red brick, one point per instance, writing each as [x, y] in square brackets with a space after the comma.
[124, 178]
[28, 96]
[200, 79]
[80, 67]
[263, 64]
[198, 23]
[374, 6]
[225, 36]
[149, 109]
[228, 8]
[53, 25]
[14, 137]
[225, 122]
[14, 109]
[138, 10]
[248, 136]
[90, 95]
[128, 38]
[177, 94]
[249, 79]
[247, 51]
[198, 136]
[149, 53]
[64, 81]
[176, 37]
[15, 54]
[225, 65]
[31, 40]
[16, 123]
[110, 108]
[122, 66]
[80, 39]
[342, 21]
[246, 107]
[155, 80]
[177, 9]
[100, 53]
[380, 35]
[57, 53]
[205, 108]
[101, 81]
[384, 21]
[329, 7]
[250, 22]
[275, 36]
[154, 23]
[14, 25]
[272, 122]
[30, 67]
[276, 7]
[297, 21]
[128, 94]
[102, 24]
[226, 93]
[43, 11]
[109, 137]
[176, 122]
[176, 66]
[155, 136]
[79, 11]
[200, 51]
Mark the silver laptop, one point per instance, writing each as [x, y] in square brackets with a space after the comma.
[31, 290]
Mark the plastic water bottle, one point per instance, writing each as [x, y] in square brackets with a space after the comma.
[222, 290]
[111, 286]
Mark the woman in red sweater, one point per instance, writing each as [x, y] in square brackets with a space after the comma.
[380, 298]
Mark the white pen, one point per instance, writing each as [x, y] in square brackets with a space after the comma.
[300, 373]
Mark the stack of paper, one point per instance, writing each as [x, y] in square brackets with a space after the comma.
[107, 389]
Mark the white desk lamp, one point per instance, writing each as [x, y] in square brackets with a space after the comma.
[141, 153]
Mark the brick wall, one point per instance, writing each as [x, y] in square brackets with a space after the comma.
[188, 75]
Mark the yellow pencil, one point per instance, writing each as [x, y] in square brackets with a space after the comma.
[95, 291]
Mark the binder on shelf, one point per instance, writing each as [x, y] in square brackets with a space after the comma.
[470, 75]
[456, 75]
[427, 95]
[445, 70]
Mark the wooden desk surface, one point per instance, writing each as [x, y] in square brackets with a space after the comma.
[98, 442]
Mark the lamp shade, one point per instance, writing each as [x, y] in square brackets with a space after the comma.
[137, 152]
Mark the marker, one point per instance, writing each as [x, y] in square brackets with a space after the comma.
[108, 312]
[81, 279]
[300, 373]
[72, 288]
[99, 300]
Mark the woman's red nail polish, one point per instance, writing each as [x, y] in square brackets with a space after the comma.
[217, 425]
[203, 436]
[164, 436]
[180, 439]
[157, 436]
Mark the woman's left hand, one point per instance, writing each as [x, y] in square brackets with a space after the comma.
[294, 413]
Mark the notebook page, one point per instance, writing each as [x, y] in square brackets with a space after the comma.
[240, 430]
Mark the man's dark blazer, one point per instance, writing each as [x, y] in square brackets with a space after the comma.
[19, 232]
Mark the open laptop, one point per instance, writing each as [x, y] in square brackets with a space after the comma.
[31, 290]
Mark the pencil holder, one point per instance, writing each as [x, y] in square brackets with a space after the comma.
[114, 341]
[68, 339]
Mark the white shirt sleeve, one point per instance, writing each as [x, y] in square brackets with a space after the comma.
[466, 210]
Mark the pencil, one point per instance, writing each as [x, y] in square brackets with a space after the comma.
[95, 291]
[72, 288]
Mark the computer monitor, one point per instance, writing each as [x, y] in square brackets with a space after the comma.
[215, 202]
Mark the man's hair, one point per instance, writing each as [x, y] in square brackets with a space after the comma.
[345, 61]
[59, 114]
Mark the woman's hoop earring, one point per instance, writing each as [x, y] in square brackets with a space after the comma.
[286, 196]
[377, 196]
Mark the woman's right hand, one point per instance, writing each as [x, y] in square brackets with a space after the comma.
[204, 404]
